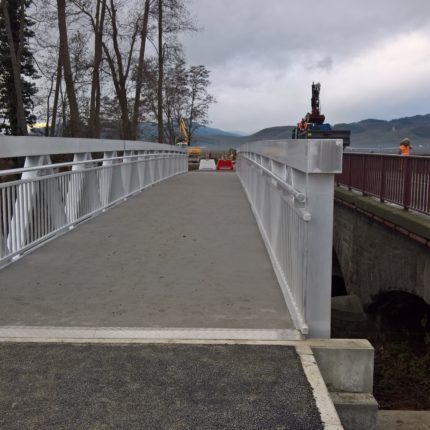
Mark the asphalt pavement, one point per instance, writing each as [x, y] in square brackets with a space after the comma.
[71, 386]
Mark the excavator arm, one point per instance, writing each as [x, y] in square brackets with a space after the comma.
[183, 132]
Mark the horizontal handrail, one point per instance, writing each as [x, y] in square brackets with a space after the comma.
[300, 197]
[22, 146]
[403, 180]
[20, 170]
[381, 154]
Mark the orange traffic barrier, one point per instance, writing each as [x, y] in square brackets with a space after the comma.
[224, 165]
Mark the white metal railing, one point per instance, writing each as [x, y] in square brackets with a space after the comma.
[290, 188]
[48, 199]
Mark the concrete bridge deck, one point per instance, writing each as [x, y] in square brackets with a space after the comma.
[186, 253]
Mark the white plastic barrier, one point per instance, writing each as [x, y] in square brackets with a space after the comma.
[207, 165]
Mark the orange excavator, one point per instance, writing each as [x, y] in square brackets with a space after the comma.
[194, 152]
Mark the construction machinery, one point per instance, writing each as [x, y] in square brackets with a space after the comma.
[312, 125]
[194, 153]
[183, 138]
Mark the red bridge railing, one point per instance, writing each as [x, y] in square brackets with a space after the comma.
[393, 178]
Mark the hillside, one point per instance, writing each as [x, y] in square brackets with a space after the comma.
[369, 134]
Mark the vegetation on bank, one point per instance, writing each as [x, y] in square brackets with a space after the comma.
[398, 327]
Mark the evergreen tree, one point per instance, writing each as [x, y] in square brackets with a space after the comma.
[21, 32]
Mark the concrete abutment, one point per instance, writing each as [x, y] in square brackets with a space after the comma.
[380, 248]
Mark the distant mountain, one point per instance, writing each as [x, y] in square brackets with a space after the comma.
[227, 140]
[204, 131]
[378, 134]
[369, 134]
[273, 133]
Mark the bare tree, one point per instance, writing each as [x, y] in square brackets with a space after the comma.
[120, 68]
[185, 94]
[94, 121]
[101, 60]
[199, 99]
[75, 123]
[176, 93]
[15, 59]
[140, 68]
[97, 21]
[160, 72]
[173, 18]
[52, 131]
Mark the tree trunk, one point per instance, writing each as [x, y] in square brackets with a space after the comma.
[75, 125]
[56, 96]
[94, 121]
[120, 72]
[63, 111]
[143, 34]
[48, 105]
[160, 72]
[16, 71]
[190, 120]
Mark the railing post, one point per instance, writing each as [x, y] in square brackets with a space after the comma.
[407, 183]
[320, 198]
[363, 178]
[382, 187]
[349, 157]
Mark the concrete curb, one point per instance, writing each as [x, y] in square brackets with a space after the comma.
[329, 416]
[119, 334]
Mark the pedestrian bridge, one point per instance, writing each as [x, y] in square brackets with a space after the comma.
[249, 250]
[136, 294]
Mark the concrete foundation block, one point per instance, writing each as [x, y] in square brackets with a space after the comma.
[345, 364]
[357, 411]
[347, 308]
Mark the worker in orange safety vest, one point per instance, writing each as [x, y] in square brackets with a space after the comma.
[405, 147]
[302, 125]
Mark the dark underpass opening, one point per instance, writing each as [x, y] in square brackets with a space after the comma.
[397, 324]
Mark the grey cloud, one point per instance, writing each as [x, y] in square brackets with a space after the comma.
[326, 63]
[253, 29]
[257, 49]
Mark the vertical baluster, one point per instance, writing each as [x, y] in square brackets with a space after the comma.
[407, 183]
[9, 217]
[4, 221]
[382, 185]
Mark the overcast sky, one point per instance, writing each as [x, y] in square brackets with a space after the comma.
[372, 58]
